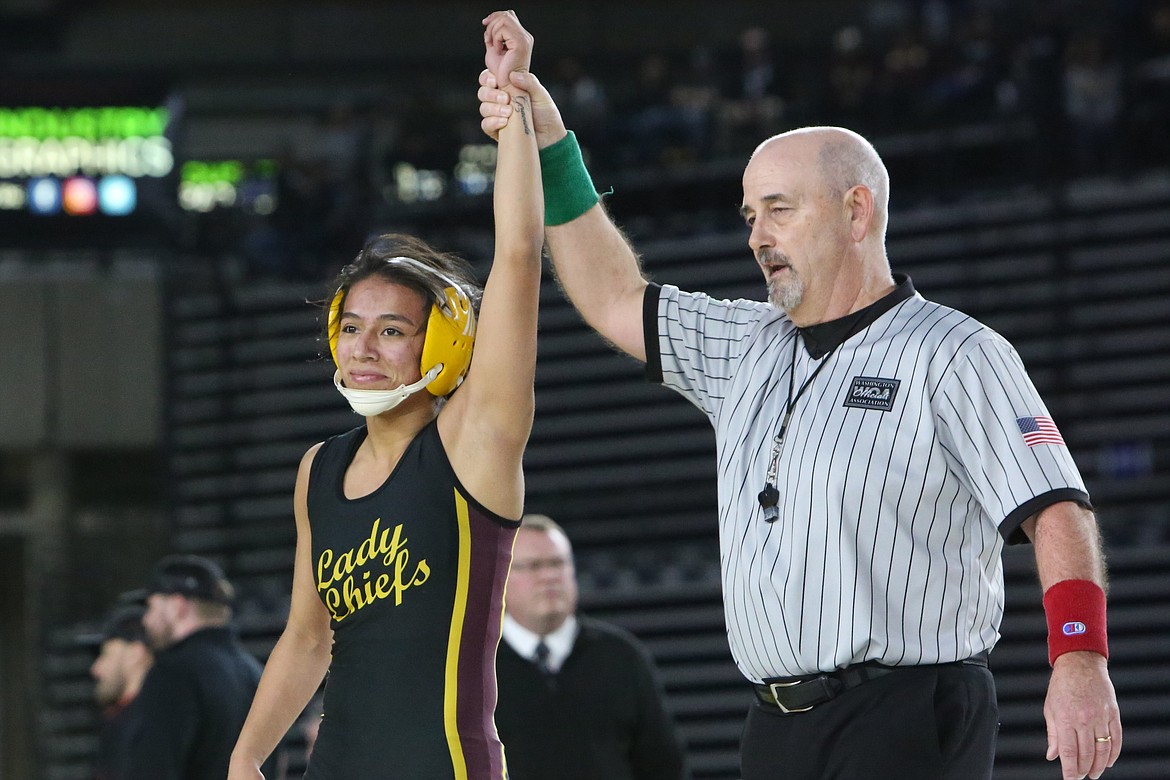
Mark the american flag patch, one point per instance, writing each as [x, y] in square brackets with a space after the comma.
[1039, 430]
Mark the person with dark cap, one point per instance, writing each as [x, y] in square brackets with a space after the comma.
[196, 696]
[118, 672]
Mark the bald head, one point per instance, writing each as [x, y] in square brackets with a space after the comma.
[816, 200]
[844, 160]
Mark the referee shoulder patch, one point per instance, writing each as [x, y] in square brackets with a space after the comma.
[868, 392]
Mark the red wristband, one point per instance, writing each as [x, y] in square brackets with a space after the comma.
[1076, 618]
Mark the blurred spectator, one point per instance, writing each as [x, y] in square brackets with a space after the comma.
[851, 79]
[936, 21]
[1149, 120]
[578, 699]
[905, 74]
[757, 74]
[963, 83]
[1029, 90]
[121, 666]
[886, 19]
[343, 150]
[342, 142]
[385, 135]
[193, 701]
[753, 107]
[696, 96]
[582, 100]
[659, 129]
[1093, 101]
[297, 246]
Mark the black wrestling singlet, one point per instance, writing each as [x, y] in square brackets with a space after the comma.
[413, 577]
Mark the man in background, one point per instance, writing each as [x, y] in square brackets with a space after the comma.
[196, 696]
[578, 699]
[118, 672]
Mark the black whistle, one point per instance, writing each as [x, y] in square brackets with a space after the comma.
[769, 499]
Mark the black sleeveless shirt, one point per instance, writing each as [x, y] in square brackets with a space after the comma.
[413, 577]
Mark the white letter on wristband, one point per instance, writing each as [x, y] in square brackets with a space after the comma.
[1075, 610]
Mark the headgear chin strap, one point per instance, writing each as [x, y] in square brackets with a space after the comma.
[447, 346]
[371, 403]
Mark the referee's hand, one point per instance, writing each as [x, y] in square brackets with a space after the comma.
[495, 106]
[1084, 723]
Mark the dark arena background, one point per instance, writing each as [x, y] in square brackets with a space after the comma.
[179, 180]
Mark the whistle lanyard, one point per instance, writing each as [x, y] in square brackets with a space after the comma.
[769, 497]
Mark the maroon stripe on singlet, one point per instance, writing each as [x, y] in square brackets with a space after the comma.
[491, 556]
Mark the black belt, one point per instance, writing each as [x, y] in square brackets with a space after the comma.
[801, 694]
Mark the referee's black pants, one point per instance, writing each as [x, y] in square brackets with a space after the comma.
[918, 723]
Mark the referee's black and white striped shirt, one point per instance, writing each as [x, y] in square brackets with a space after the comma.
[904, 470]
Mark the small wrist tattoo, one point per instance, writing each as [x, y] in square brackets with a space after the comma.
[522, 109]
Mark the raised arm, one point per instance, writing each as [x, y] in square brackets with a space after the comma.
[1084, 723]
[595, 265]
[601, 275]
[487, 422]
[298, 661]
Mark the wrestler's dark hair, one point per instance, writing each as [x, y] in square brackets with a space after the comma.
[372, 261]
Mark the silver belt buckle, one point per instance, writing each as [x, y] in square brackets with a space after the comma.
[773, 686]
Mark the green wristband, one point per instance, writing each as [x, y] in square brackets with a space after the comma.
[568, 190]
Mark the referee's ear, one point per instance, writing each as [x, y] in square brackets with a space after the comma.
[859, 205]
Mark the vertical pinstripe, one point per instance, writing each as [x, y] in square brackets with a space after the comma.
[891, 522]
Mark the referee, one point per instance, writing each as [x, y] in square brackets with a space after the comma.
[875, 452]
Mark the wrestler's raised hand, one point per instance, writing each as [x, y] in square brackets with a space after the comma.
[508, 46]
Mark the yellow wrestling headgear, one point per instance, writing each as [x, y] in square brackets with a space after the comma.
[450, 333]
